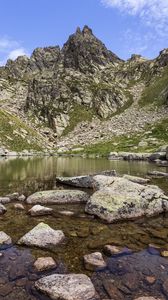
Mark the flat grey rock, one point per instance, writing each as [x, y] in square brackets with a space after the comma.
[58, 197]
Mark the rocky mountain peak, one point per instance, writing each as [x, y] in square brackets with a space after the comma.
[85, 52]
[87, 31]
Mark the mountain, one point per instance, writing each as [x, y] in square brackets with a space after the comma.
[80, 94]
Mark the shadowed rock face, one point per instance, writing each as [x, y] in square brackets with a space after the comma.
[83, 51]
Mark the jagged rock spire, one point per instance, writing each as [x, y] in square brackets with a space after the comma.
[84, 51]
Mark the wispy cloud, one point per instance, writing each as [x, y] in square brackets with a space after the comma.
[152, 12]
[10, 49]
[17, 52]
[148, 27]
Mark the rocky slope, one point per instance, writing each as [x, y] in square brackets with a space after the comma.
[80, 94]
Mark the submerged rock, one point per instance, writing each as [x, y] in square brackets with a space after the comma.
[39, 210]
[123, 199]
[44, 263]
[148, 298]
[113, 292]
[67, 287]
[58, 197]
[66, 213]
[4, 239]
[3, 209]
[94, 261]
[158, 174]
[42, 236]
[114, 250]
[19, 206]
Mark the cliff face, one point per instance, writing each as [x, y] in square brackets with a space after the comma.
[82, 78]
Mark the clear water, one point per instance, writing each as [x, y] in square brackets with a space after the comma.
[84, 234]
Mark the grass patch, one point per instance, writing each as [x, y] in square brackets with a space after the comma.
[157, 92]
[78, 114]
[9, 125]
[160, 130]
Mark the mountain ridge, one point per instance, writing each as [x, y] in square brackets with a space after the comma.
[58, 88]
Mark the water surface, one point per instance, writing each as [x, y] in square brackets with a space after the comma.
[84, 234]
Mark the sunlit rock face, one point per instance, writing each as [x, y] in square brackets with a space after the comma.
[83, 76]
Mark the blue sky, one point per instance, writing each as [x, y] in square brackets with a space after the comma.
[125, 26]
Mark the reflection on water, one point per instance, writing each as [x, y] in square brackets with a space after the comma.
[84, 234]
[31, 174]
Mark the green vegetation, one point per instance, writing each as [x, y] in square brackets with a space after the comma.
[160, 130]
[78, 114]
[157, 92]
[12, 136]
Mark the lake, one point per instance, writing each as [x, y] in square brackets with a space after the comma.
[84, 233]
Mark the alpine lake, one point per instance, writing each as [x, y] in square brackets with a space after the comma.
[142, 273]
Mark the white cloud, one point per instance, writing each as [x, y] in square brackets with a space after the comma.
[152, 12]
[149, 31]
[17, 52]
[6, 44]
[10, 49]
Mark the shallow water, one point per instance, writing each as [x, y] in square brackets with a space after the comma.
[84, 233]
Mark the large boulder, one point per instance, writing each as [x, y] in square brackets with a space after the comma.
[123, 199]
[58, 197]
[42, 236]
[66, 287]
[101, 181]
[84, 181]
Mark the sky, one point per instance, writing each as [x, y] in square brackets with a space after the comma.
[125, 26]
